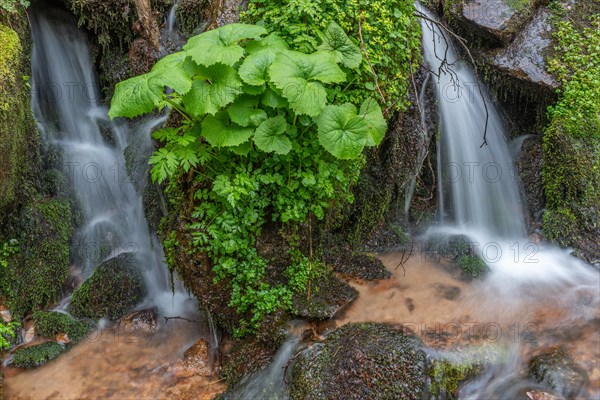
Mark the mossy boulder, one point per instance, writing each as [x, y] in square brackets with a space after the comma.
[361, 361]
[357, 265]
[48, 324]
[114, 288]
[556, 370]
[36, 274]
[472, 266]
[329, 295]
[34, 356]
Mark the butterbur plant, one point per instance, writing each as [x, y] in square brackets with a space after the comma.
[263, 136]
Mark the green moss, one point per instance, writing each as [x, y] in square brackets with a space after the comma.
[114, 288]
[36, 274]
[571, 142]
[33, 356]
[446, 376]
[18, 134]
[190, 14]
[48, 324]
[473, 266]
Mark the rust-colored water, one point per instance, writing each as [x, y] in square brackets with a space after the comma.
[449, 313]
[113, 366]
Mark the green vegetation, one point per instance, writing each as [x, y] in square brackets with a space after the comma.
[571, 142]
[34, 276]
[34, 356]
[115, 287]
[264, 136]
[446, 376]
[48, 324]
[7, 333]
[472, 265]
[385, 30]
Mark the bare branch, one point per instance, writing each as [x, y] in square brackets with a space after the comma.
[463, 43]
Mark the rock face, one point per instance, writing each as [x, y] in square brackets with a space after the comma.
[332, 296]
[524, 58]
[142, 321]
[556, 370]
[361, 361]
[529, 165]
[114, 288]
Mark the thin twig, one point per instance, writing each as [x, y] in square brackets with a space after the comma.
[362, 47]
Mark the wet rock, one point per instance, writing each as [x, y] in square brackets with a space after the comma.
[115, 287]
[448, 292]
[529, 166]
[524, 58]
[5, 314]
[144, 321]
[29, 330]
[357, 265]
[329, 295]
[361, 361]
[537, 395]
[556, 370]
[196, 361]
[63, 338]
[499, 20]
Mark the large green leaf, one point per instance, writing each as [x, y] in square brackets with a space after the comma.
[371, 112]
[341, 132]
[219, 131]
[221, 45]
[136, 96]
[172, 72]
[271, 98]
[216, 87]
[243, 111]
[271, 43]
[142, 94]
[269, 136]
[255, 69]
[336, 42]
[298, 76]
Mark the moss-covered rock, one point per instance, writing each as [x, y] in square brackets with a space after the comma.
[245, 357]
[361, 361]
[114, 288]
[48, 324]
[37, 272]
[329, 295]
[556, 370]
[472, 266]
[34, 356]
[357, 265]
[190, 16]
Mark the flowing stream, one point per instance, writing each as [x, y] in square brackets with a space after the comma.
[532, 289]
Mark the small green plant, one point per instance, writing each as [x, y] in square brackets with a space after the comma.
[7, 333]
[7, 249]
[264, 136]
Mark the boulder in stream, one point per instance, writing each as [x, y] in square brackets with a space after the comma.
[556, 370]
[115, 287]
[142, 321]
[361, 361]
[196, 361]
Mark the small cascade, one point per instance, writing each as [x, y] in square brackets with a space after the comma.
[90, 149]
[479, 199]
[172, 20]
[269, 384]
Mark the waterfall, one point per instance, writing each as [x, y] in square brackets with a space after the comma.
[479, 198]
[89, 149]
[172, 18]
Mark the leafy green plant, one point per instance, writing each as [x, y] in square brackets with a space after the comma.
[385, 32]
[264, 136]
[7, 249]
[7, 333]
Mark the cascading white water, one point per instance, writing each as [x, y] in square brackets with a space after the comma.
[172, 18]
[75, 125]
